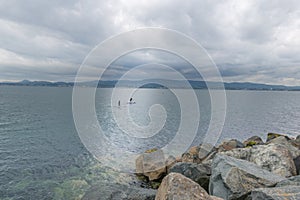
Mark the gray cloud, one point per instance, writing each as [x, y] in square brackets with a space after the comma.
[248, 40]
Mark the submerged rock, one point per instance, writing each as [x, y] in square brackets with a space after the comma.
[71, 189]
[272, 157]
[176, 186]
[199, 173]
[234, 178]
[278, 193]
[118, 192]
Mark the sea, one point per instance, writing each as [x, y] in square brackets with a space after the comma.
[42, 155]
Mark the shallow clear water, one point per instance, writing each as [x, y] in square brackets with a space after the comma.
[41, 156]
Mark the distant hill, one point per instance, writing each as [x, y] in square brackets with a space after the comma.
[153, 84]
[39, 83]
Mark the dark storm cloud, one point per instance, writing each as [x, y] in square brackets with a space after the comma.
[248, 40]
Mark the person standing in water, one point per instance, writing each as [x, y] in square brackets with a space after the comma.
[119, 103]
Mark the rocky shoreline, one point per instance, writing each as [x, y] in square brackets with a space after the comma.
[234, 170]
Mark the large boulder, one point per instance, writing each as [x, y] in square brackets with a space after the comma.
[272, 157]
[115, 191]
[199, 173]
[278, 193]
[153, 164]
[235, 178]
[295, 151]
[254, 140]
[292, 181]
[176, 186]
[275, 158]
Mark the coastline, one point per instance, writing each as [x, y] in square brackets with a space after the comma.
[253, 169]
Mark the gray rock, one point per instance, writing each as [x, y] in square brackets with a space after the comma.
[116, 191]
[199, 173]
[204, 150]
[278, 193]
[241, 153]
[176, 186]
[288, 144]
[297, 139]
[292, 181]
[208, 160]
[275, 158]
[234, 178]
[297, 164]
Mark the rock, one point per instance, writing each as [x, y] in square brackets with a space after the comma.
[204, 150]
[194, 150]
[287, 143]
[153, 164]
[178, 159]
[139, 166]
[216, 198]
[235, 178]
[192, 158]
[272, 157]
[176, 186]
[278, 193]
[199, 173]
[275, 158]
[297, 140]
[241, 153]
[292, 181]
[297, 164]
[171, 160]
[71, 189]
[151, 150]
[229, 145]
[208, 160]
[272, 136]
[254, 140]
[118, 192]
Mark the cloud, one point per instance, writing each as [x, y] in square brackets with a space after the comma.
[248, 40]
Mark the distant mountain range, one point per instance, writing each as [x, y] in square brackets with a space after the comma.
[146, 84]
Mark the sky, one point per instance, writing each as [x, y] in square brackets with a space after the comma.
[249, 41]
